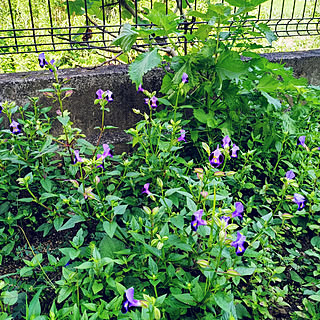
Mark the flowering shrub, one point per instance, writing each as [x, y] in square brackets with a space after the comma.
[182, 227]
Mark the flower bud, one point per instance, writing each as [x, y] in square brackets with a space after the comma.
[232, 273]
[68, 93]
[219, 174]
[286, 216]
[157, 313]
[203, 263]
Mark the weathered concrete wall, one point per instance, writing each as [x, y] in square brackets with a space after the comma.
[304, 63]
[85, 115]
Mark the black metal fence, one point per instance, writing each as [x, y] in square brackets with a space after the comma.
[60, 25]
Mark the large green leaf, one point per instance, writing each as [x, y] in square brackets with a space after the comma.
[143, 63]
[230, 66]
[163, 18]
[245, 3]
[126, 38]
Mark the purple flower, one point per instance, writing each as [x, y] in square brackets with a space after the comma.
[301, 141]
[216, 158]
[145, 189]
[238, 211]
[240, 244]
[42, 60]
[226, 142]
[225, 218]
[78, 158]
[109, 96]
[52, 64]
[185, 78]
[15, 127]
[140, 89]
[1, 108]
[154, 102]
[299, 200]
[182, 136]
[129, 301]
[99, 94]
[234, 151]
[197, 220]
[290, 175]
[107, 153]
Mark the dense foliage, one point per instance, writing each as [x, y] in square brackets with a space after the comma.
[214, 215]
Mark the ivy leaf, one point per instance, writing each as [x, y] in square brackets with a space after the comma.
[264, 28]
[126, 38]
[143, 63]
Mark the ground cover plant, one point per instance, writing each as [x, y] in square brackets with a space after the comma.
[214, 214]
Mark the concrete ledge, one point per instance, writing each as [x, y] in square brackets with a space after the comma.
[85, 115]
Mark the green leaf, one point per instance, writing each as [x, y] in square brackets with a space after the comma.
[46, 184]
[296, 277]
[191, 205]
[275, 102]
[264, 28]
[164, 19]
[315, 241]
[245, 3]
[35, 307]
[153, 267]
[120, 210]
[96, 287]
[85, 265]
[126, 38]
[63, 120]
[177, 221]
[64, 293]
[143, 63]
[71, 223]
[185, 298]
[200, 115]
[230, 66]
[279, 270]
[267, 83]
[110, 228]
[315, 297]
[245, 271]
[108, 246]
[223, 300]
[9, 298]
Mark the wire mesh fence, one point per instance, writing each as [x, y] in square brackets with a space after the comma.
[60, 25]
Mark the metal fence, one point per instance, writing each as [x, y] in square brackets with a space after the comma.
[60, 25]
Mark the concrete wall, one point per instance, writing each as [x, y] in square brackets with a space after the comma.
[85, 115]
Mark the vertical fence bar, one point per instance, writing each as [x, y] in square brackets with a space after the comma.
[13, 27]
[136, 10]
[120, 17]
[32, 25]
[69, 22]
[103, 20]
[51, 25]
